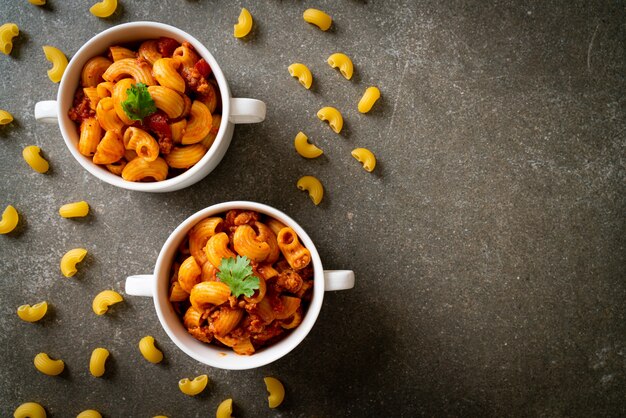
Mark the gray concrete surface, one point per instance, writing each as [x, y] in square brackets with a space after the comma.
[488, 244]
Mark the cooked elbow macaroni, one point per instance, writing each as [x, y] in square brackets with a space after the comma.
[104, 299]
[105, 8]
[173, 135]
[32, 313]
[343, 62]
[9, 221]
[244, 24]
[317, 18]
[332, 116]
[34, 159]
[371, 95]
[58, 60]
[149, 350]
[89, 413]
[97, 362]
[305, 148]
[8, 31]
[313, 186]
[365, 157]
[46, 365]
[302, 73]
[193, 387]
[30, 410]
[278, 305]
[74, 210]
[224, 409]
[70, 259]
[276, 390]
[5, 117]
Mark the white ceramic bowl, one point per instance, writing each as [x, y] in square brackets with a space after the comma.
[234, 110]
[157, 286]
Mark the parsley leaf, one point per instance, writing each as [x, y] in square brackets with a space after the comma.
[237, 274]
[138, 103]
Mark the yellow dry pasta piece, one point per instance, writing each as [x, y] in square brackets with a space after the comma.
[8, 31]
[193, 387]
[317, 18]
[160, 416]
[97, 362]
[37, 2]
[9, 221]
[104, 299]
[371, 95]
[70, 259]
[302, 73]
[276, 390]
[244, 24]
[332, 116]
[32, 313]
[30, 410]
[225, 409]
[89, 413]
[105, 8]
[46, 365]
[149, 350]
[5, 117]
[58, 60]
[74, 210]
[343, 62]
[304, 148]
[34, 159]
[365, 157]
[313, 186]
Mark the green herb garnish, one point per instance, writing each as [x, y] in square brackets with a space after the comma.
[237, 274]
[138, 103]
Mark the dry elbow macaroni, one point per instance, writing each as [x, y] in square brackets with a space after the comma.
[317, 18]
[180, 119]
[365, 157]
[70, 259]
[37, 2]
[9, 221]
[97, 362]
[89, 413]
[105, 8]
[332, 116]
[149, 350]
[244, 24]
[305, 148]
[46, 365]
[302, 73]
[34, 159]
[276, 391]
[343, 62]
[371, 95]
[5, 117]
[74, 210]
[8, 31]
[58, 60]
[313, 186]
[104, 299]
[30, 410]
[224, 409]
[193, 387]
[32, 313]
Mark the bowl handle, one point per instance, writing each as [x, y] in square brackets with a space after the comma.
[338, 279]
[246, 111]
[46, 111]
[139, 285]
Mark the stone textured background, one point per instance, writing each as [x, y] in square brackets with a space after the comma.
[488, 245]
